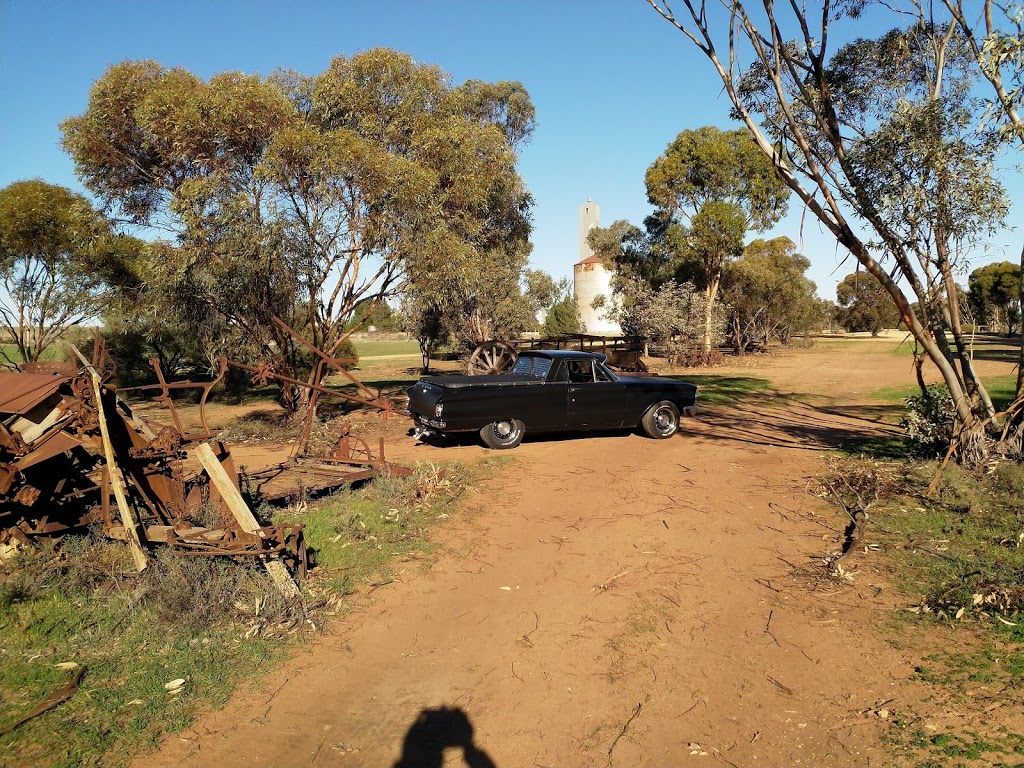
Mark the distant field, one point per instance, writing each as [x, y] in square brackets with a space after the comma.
[386, 348]
[10, 352]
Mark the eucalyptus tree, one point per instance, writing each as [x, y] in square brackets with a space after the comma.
[769, 294]
[708, 188]
[880, 142]
[58, 256]
[994, 32]
[863, 304]
[301, 197]
[994, 293]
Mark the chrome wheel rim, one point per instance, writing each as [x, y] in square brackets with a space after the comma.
[665, 421]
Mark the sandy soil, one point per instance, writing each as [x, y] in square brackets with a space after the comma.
[611, 600]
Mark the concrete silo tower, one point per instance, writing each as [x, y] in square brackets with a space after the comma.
[590, 278]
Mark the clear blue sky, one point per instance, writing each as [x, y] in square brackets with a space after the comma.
[612, 82]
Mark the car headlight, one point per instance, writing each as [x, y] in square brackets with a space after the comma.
[438, 410]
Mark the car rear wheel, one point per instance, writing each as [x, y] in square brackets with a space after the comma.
[507, 433]
[661, 420]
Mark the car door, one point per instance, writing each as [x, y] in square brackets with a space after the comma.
[595, 401]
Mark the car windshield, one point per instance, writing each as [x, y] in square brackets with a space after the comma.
[537, 367]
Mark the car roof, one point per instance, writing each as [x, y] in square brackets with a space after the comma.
[563, 354]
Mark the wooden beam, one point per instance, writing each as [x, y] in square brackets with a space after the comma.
[246, 520]
[117, 480]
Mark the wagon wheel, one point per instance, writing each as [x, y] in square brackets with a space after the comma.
[491, 357]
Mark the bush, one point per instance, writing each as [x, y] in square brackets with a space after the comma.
[928, 421]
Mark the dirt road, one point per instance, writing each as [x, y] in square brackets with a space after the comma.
[603, 601]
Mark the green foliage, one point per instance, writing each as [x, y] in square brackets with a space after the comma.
[994, 295]
[58, 255]
[864, 304]
[563, 317]
[379, 315]
[929, 421]
[710, 165]
[673, 316]
[769, 294]
[300, 197]
[707, 188]
[882, 136]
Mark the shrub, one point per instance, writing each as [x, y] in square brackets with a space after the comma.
[928, 421]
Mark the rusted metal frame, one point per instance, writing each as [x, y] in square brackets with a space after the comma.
[336, 363]
[165, 388]
[268, 540]
[264, 372]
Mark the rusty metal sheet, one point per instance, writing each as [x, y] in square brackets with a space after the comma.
[21, 392]
[57, 444]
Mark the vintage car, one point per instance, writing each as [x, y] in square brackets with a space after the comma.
[548, 391]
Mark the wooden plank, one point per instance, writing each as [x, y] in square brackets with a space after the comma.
[117, 480]
[241, 512]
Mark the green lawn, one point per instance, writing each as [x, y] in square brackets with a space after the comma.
[714, 389]
[1000, 388]
[386, 348]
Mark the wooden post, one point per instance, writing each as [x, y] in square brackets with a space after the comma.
[248, 522]
[117, 480]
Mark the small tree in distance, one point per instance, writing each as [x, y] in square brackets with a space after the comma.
[864, 305]
[57, 256]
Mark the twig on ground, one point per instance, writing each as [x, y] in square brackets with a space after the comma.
[625, 727]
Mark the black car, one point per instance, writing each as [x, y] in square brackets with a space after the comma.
[548, 391]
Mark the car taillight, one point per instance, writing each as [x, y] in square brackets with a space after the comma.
[438, 410]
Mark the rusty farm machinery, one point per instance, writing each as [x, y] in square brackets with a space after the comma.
[75, 456]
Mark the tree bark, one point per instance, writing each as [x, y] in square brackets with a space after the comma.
[709, 312]
[1020, 359]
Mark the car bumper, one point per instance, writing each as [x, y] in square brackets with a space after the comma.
[690, 410]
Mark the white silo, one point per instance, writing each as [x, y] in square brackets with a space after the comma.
[590, 277]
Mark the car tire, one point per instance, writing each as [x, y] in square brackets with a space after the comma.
[500, 435]
[661, 420]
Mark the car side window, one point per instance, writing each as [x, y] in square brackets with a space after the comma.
[580, 371]
[601, 374]
[559, 376]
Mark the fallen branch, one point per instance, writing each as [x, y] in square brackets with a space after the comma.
[62, 694]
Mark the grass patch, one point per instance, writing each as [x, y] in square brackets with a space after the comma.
[714, 389]
[881, 447]
[367, 348]
[1000, 388]
[356, 536]
[967, 540]
[85, 604]
[959, 557]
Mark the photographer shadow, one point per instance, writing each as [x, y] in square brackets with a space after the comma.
[436, 730]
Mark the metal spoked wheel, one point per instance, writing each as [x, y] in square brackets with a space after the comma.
[490, 358]
[661, 421]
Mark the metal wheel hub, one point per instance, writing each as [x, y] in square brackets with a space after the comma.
[504, 429]
[664, 421]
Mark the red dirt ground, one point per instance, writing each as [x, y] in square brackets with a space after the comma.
[612, 600]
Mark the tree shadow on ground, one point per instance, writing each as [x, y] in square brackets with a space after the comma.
[435, 731]
[801, 426]
[1004, 349]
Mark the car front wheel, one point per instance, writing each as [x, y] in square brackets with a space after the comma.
[661, 420]
[507, 433]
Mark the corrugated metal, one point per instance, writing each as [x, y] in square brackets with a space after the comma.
[21, 392]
